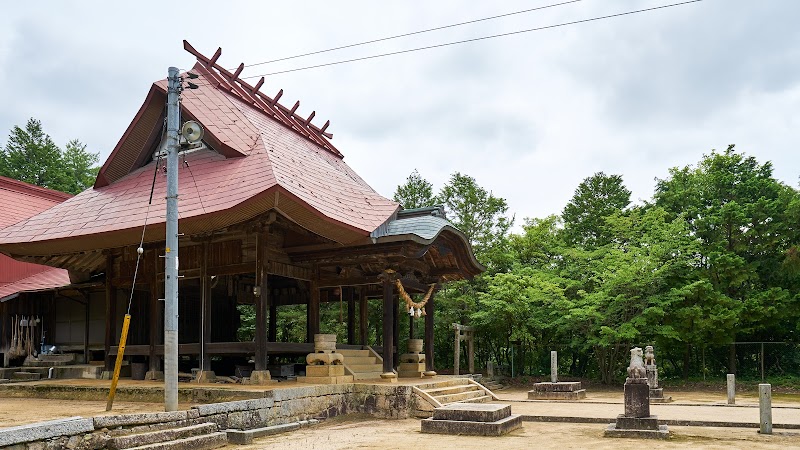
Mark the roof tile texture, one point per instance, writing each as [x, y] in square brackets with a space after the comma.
[276, 156]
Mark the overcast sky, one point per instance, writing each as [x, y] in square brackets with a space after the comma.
[529, 116]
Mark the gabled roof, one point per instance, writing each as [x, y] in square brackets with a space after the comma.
[262, 156]
[19, 201]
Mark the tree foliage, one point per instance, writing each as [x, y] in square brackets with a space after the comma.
[30, 155]
[417, 192]
[712, 259]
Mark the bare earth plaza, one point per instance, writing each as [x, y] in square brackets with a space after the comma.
[224, 279]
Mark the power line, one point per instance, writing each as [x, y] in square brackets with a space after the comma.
[414, 33]
[575, 22]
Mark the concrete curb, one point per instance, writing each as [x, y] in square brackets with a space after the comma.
[678, 422]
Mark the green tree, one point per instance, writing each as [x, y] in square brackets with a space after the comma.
[746, 224]
[417, 192]
[30, 155]
[477, 213]
[596, 198]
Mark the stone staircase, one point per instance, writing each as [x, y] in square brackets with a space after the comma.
[362, 364]
[492, 385]
[437, 394]
[173, 437]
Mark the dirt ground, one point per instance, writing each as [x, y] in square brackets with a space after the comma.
[19, 411]
[365, 433]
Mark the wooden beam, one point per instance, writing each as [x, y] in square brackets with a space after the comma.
[351, 314]
[205, 314]
[363, 320]
[388, 319]
[262, 308]
[429, 310]
[111, 313]
[312, 317]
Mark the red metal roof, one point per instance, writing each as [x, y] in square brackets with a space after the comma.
[282, 157]
[48, 278]
[19, 201]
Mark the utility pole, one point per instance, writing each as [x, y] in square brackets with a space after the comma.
[171, 250]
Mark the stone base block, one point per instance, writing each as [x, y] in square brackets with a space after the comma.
[391, 377]
[561, 386]
[260, 377]
[430, 373]
[326, 380]
[325, 371]
[576, 395]
[409, 374]
[472, 412]
[666, 399]
[637, 399]
[204, 376]
[661, 433]
[637, 423]
[413, 358]
[106, 375]
[563, 390]
[461, 427]
[154, 375]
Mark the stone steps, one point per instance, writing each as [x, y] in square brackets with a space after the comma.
[160, 436]
[25, 376]
[459, 397]
[362, 364]
[470, 419]
[450, 390]
[202, 442]
[355, 353]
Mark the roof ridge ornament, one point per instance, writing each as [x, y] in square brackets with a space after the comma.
[252, 95]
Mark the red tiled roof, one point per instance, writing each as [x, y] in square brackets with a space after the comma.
[215, 190]
[49, 278]
[20, 200]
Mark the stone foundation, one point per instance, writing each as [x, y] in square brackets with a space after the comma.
[562, 390]
[474, 419]
[273, 408]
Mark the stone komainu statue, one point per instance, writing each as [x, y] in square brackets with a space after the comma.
[649, 357]
[636, 368]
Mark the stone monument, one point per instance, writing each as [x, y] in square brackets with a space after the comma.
[637, 421]
[412, 364]
[656, 392]
[325, 366]
[556, 390]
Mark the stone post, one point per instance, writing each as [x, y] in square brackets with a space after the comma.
[489, 369]
[765, 408]
[731, 389]
[554, 366]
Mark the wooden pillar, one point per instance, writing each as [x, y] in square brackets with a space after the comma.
[261, 302]
[156, 313]
[395, 327]
[470, 352]
[205, 312]
[429, 308]
[85, 330]
[272, 331]
[388, 332]
[312, 317]
[363, 312]
[456, 351]
[351, 315]
[111, 313]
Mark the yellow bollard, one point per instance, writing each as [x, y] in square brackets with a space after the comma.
[118, 364]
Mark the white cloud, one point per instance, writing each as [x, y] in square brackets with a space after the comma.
[528, 116]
